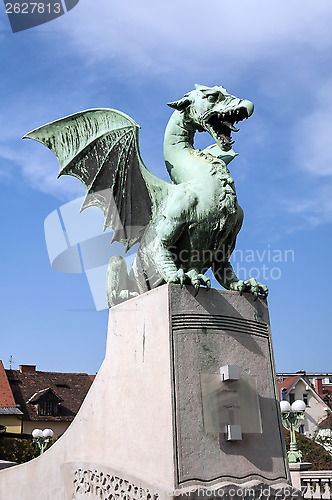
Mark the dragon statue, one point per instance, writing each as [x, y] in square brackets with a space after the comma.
[184, 227]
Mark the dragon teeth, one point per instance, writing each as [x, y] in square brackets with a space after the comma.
[231, 126]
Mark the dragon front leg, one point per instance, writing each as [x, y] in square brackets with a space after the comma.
[166, 233]
[226, 276]
[164, 263]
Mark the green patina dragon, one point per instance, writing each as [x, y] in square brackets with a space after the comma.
[184, 227]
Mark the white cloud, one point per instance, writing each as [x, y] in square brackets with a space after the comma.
[313, 133]
[314, 209]
[159, 35]
[188, 39]
[33, 162]
[39, 170]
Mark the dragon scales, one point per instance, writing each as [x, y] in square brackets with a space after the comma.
[184, 227]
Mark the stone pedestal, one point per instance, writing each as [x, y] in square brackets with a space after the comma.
[295, 472]
[140, 432]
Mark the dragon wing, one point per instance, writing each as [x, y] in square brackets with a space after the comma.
[101, 148]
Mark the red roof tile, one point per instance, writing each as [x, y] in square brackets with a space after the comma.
[326, 395]
[326, 423]
[71, 389]
[287, 382]
[6, 395]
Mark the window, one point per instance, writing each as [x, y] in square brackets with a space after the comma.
[301, 429]
[305, 399]
[48, 408]
[291, 398]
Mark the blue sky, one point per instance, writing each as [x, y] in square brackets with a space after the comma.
[135, 57]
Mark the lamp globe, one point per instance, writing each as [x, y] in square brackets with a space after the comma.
[284, 406]
[298, 405]
[37, 433]
[47, 433]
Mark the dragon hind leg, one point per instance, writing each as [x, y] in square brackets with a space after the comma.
[118, 284]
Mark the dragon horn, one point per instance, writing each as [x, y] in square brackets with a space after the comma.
[180, 104]
[201, 87]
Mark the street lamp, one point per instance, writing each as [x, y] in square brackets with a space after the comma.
[42, 438]
[291, 417]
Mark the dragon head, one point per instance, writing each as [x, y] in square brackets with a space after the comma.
[214, 110]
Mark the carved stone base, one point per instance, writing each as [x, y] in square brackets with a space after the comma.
[142, 431]
[92, 482]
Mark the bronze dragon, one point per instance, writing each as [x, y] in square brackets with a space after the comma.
[184, 227]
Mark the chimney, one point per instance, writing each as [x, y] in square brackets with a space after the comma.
[319, 385]
[27, 368]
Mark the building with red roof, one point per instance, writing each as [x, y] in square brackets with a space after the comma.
[10, 415]
[312, 389]
[44, 399]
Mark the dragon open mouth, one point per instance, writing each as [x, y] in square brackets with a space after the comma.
[220, 126]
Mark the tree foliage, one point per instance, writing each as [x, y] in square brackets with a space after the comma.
[17, 450]
[312, 452]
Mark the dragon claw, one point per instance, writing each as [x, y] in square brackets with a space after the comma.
[193, 278]
[181, 276]
[241, 287]
[252, 286]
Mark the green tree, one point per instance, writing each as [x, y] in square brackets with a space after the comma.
[17, 450]
[312, 452]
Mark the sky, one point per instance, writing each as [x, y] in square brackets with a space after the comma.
[135, 57]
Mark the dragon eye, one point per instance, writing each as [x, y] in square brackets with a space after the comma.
[212, 97]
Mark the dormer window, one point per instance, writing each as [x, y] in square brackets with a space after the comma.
[47, 402]
[48, 408]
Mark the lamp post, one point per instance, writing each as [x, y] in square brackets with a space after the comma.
[42, 438]
[291, 417]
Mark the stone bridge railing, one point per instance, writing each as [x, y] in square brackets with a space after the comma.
[316, 484]
[313, 484]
